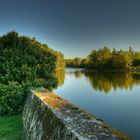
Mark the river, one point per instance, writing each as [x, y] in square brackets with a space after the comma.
[112, 97]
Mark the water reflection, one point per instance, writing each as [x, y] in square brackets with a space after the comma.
[108, 81]
[103, 82]
[77, 74]
[60, 75]
[88, 91]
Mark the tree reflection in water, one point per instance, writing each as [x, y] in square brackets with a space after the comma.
[103, 81]
[60, 75]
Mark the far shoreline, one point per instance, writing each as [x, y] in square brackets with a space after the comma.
[132, 69]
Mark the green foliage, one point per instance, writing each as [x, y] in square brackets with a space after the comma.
[100, 58]
[73, 62]
[76, 62]
[24, 63]
[122, 60]
[60, 63]
[136, 59]
[106, 59]
[11, 96]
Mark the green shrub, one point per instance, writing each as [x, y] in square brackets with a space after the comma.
[24, 63]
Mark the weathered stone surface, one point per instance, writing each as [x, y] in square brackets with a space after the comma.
[47, 116]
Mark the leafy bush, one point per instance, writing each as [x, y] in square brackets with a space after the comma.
[24, 63]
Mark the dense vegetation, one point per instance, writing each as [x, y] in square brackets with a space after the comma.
[105, 58]
[24, 63]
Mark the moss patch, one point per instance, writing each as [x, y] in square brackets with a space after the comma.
[11, 128]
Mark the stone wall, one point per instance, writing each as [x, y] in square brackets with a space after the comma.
[47, 116]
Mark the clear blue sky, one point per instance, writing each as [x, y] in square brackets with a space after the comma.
[74, 27]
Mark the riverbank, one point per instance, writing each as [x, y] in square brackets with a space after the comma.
[11, 127]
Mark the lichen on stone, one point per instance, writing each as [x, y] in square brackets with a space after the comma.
[47, 116]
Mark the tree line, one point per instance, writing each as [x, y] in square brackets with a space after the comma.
[104, 58]
[24, 63]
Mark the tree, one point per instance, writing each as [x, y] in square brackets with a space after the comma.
[100, 58]
[122, 60]
[24, 63]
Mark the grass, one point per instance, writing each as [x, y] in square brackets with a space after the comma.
[11, 127]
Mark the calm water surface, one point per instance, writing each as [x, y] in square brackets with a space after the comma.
[113, 97]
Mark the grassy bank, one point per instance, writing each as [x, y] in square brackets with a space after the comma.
[11, 128]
